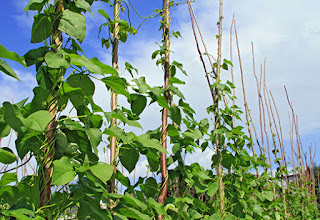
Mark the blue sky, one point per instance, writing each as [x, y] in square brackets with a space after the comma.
[286, 32]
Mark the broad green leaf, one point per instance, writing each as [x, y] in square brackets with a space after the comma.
[147, 142]
[103, 171]
[29, 141]
[95, 137]
[4, 53]
[157, 206]
[133, 213]
[229, 216]
[163, 102]
[82, 81]
[41, 28]
[118, 133]
[61, 143]
[215, 216]
[269, 195]
[212, 189]
[91, 66]
[129, 157]
[4, 129]
[73, 24]
[104, 14]
[175, 114]
[36, 55]
[117, 84]
[106, 69]
[7, 156]
[4, 67]
[14, 118]
[174, 80]
[129, 199]
[35, 5]
[83, 4]
[55, 60]
[63, 172]
[8, 178]
[176, 91]
[39, 120]
[150, 187]
[138, 103]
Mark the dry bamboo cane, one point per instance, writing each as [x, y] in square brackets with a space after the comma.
[244, 92]
[114, 98]
[217, 119]
[266, 95]
[292, 152]
[163, 159]
[285, 164]
[312, 175]
[214, 93]
[48, 148]
[232, 75]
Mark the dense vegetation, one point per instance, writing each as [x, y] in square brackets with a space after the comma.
[71, 180]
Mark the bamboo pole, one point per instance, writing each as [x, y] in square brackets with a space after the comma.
[46, 168]
[114, 97]
[163, 159]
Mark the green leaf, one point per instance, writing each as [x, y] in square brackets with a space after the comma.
[176, 91]
[150, 188]
[163, 102]
[118, 133]
[63, 172]
[129, 157]
[55, 60]
[229, 216]
[35, 5]
[133, 213]
[39, 120]
[212, 189]
[269, 195]
[14, 118]
[147, 142]
[4, 53]
[83, 82]
[4, 67]
[175, 114]
[85, 62]
[95, 136]
[7, 156]
[106, 69]
[73, 24]
[174, 80]
[138, 103]
[117, 84]
[215, 216]
[41, 28]
[157, 206]
[35, 56]
[83, 5]
[103, 171]
[8, 178]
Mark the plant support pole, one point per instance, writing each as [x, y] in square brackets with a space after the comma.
[114, 98]
[46, 168]
[163, 159]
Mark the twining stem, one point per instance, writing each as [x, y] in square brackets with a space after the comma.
[163, 159]
[46, 166]
[114, 98]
